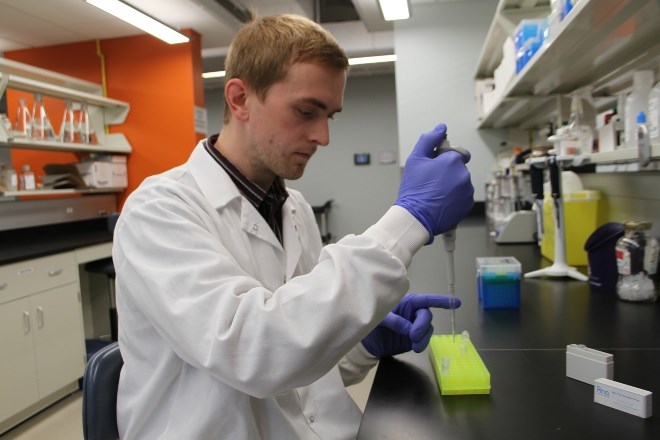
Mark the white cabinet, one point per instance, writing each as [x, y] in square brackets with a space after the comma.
[103, 111]
[599, 43]
[42, 339]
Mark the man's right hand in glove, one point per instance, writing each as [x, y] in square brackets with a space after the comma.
[436, 190]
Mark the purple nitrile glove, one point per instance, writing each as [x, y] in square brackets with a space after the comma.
[436, 189]
[408, 326]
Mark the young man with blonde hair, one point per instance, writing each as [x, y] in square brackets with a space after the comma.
[234, 321]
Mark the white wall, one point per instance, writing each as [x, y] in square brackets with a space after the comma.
[437, 51]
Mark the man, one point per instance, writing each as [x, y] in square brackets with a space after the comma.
[234, 322]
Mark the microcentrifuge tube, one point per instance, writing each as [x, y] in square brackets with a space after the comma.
[445, 365]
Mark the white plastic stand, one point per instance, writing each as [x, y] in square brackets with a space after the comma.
[559, 267]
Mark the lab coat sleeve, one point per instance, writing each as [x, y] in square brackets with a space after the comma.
[173, 268]
[356, 364]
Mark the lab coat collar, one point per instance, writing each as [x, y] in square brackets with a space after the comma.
[219, 190]
[214, 182]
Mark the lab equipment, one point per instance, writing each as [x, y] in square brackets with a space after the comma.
[602, 259]
[579, 137]
[87, 132]
[637, 262]
[457, 366]
[408, 326]
[23, 122]
[435, 189]
[581, 219]
[586, 364]
[559, 267]
[449, 240]
[9, 178]
[69, 130]
[643, 145]
[27, 180]
[536, 177]
[637, 101]
[498, 280]
[653, 120]
[626, 398]
[42, 129]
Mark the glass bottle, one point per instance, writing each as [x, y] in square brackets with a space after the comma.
[42, 129]
[87, 133]
[23, 122]
[637, 262]
[9, 178]
[69, 131]
[28, 181]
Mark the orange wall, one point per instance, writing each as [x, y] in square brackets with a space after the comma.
[161, 82]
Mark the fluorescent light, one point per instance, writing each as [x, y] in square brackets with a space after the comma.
[394, 9]
[372, 60]
[139, 19]
[351, 61]
[217, 74]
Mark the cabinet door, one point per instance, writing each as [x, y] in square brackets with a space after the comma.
[18, 385]
[58, 338]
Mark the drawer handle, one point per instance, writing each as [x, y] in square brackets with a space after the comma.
[3, 286]
[26, 322]
[40, 317]
[54, 273]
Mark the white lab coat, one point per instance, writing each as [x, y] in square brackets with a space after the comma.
[226, 334]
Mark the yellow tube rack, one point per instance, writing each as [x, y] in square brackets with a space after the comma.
[457, 366]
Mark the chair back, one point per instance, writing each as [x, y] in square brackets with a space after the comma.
[100, 384]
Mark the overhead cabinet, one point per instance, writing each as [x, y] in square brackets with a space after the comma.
[599, 44]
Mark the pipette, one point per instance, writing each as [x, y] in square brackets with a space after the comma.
[449, 240]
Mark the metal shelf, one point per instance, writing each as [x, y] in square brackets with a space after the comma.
[102, 111]
[57, 192]
[599, 43]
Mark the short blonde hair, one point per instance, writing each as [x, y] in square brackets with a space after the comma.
[264, 49]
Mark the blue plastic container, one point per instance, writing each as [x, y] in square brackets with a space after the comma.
[499, 282]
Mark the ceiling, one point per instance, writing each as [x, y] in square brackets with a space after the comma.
[357, 24]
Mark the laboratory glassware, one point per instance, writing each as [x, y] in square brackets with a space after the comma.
[87, 133]
[42, 129]
[27, 179]
[70, 130]
[637, 262]
[23, 121]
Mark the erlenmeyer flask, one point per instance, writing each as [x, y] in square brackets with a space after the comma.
[87, 133]
[42, 129]
[69, 131]
[23, 123]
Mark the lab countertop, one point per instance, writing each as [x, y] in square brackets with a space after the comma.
[525, 352]
[22, 244]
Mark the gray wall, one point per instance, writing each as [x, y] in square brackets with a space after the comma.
[437, 52]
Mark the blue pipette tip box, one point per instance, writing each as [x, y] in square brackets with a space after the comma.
[498, 279]
[458, 367]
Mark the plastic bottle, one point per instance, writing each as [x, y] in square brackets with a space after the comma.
[643, 146]
[579, 136]
[637, 101]
[9, 178]
[653, 119]
[28, 182]
[637, 262]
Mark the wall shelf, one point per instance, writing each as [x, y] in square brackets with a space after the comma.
[102, 111]
[599, 43]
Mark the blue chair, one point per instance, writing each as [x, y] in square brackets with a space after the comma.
[100, 384]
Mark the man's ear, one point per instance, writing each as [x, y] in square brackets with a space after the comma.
[236, 97]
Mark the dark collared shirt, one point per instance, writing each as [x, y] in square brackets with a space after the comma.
[268, 203]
